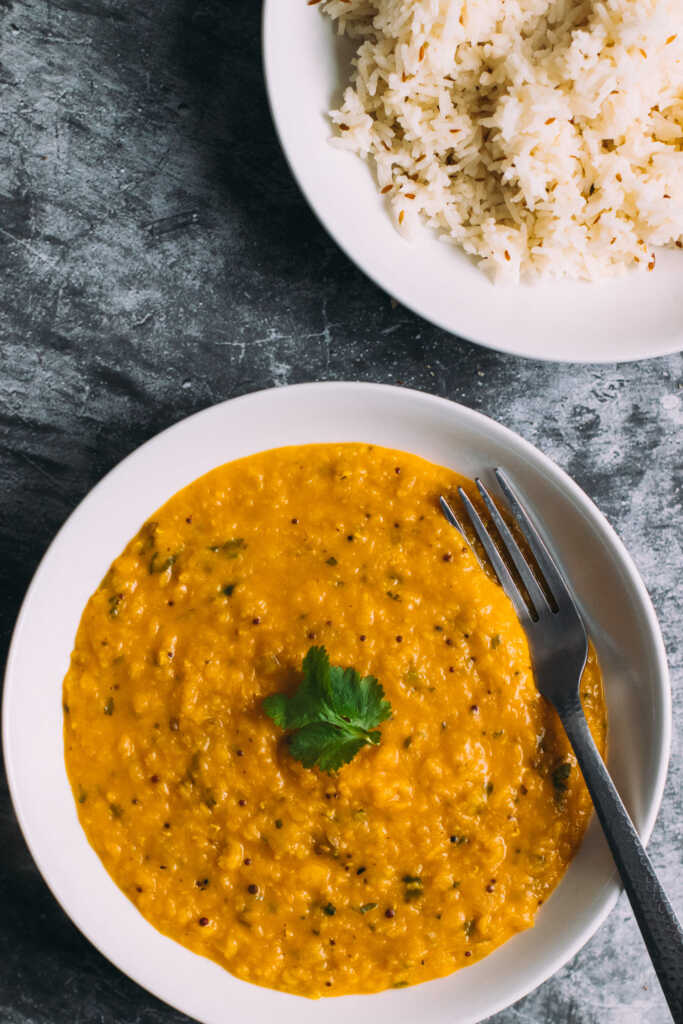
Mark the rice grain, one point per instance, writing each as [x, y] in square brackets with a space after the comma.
[548, 133]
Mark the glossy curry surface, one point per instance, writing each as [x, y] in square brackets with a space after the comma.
[420, 856]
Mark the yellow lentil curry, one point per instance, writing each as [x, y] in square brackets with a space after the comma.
[419, 857]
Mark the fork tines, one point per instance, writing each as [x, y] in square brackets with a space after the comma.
[540, 601]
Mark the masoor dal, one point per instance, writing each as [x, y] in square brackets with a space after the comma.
[420, 856]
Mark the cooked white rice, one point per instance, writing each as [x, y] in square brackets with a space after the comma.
[544, 137]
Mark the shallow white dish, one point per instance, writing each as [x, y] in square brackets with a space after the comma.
[634, 317]
[618, 610]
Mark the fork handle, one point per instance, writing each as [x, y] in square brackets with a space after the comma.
[655, 916]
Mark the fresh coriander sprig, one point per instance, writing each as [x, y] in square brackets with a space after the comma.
[332, 714]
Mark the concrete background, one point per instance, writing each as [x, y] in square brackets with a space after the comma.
[156, 257]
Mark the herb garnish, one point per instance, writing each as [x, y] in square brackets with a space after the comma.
[230, 548]
[332, 714]
[413, 884]
[156, 567]
[561, 777]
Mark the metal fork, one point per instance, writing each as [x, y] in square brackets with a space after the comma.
[559, 647]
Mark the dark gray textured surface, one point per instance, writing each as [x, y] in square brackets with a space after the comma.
[156, 257]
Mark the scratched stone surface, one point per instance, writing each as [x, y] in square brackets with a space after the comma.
[156, 257]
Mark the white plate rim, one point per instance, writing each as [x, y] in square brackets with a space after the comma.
[301, 174]
[586, 506]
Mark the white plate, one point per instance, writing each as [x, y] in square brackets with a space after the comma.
[621, 621]
[637, 316]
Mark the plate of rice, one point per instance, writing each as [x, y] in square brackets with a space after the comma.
[511, 170]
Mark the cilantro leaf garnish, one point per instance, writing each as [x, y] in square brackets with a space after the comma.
[332, 715]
